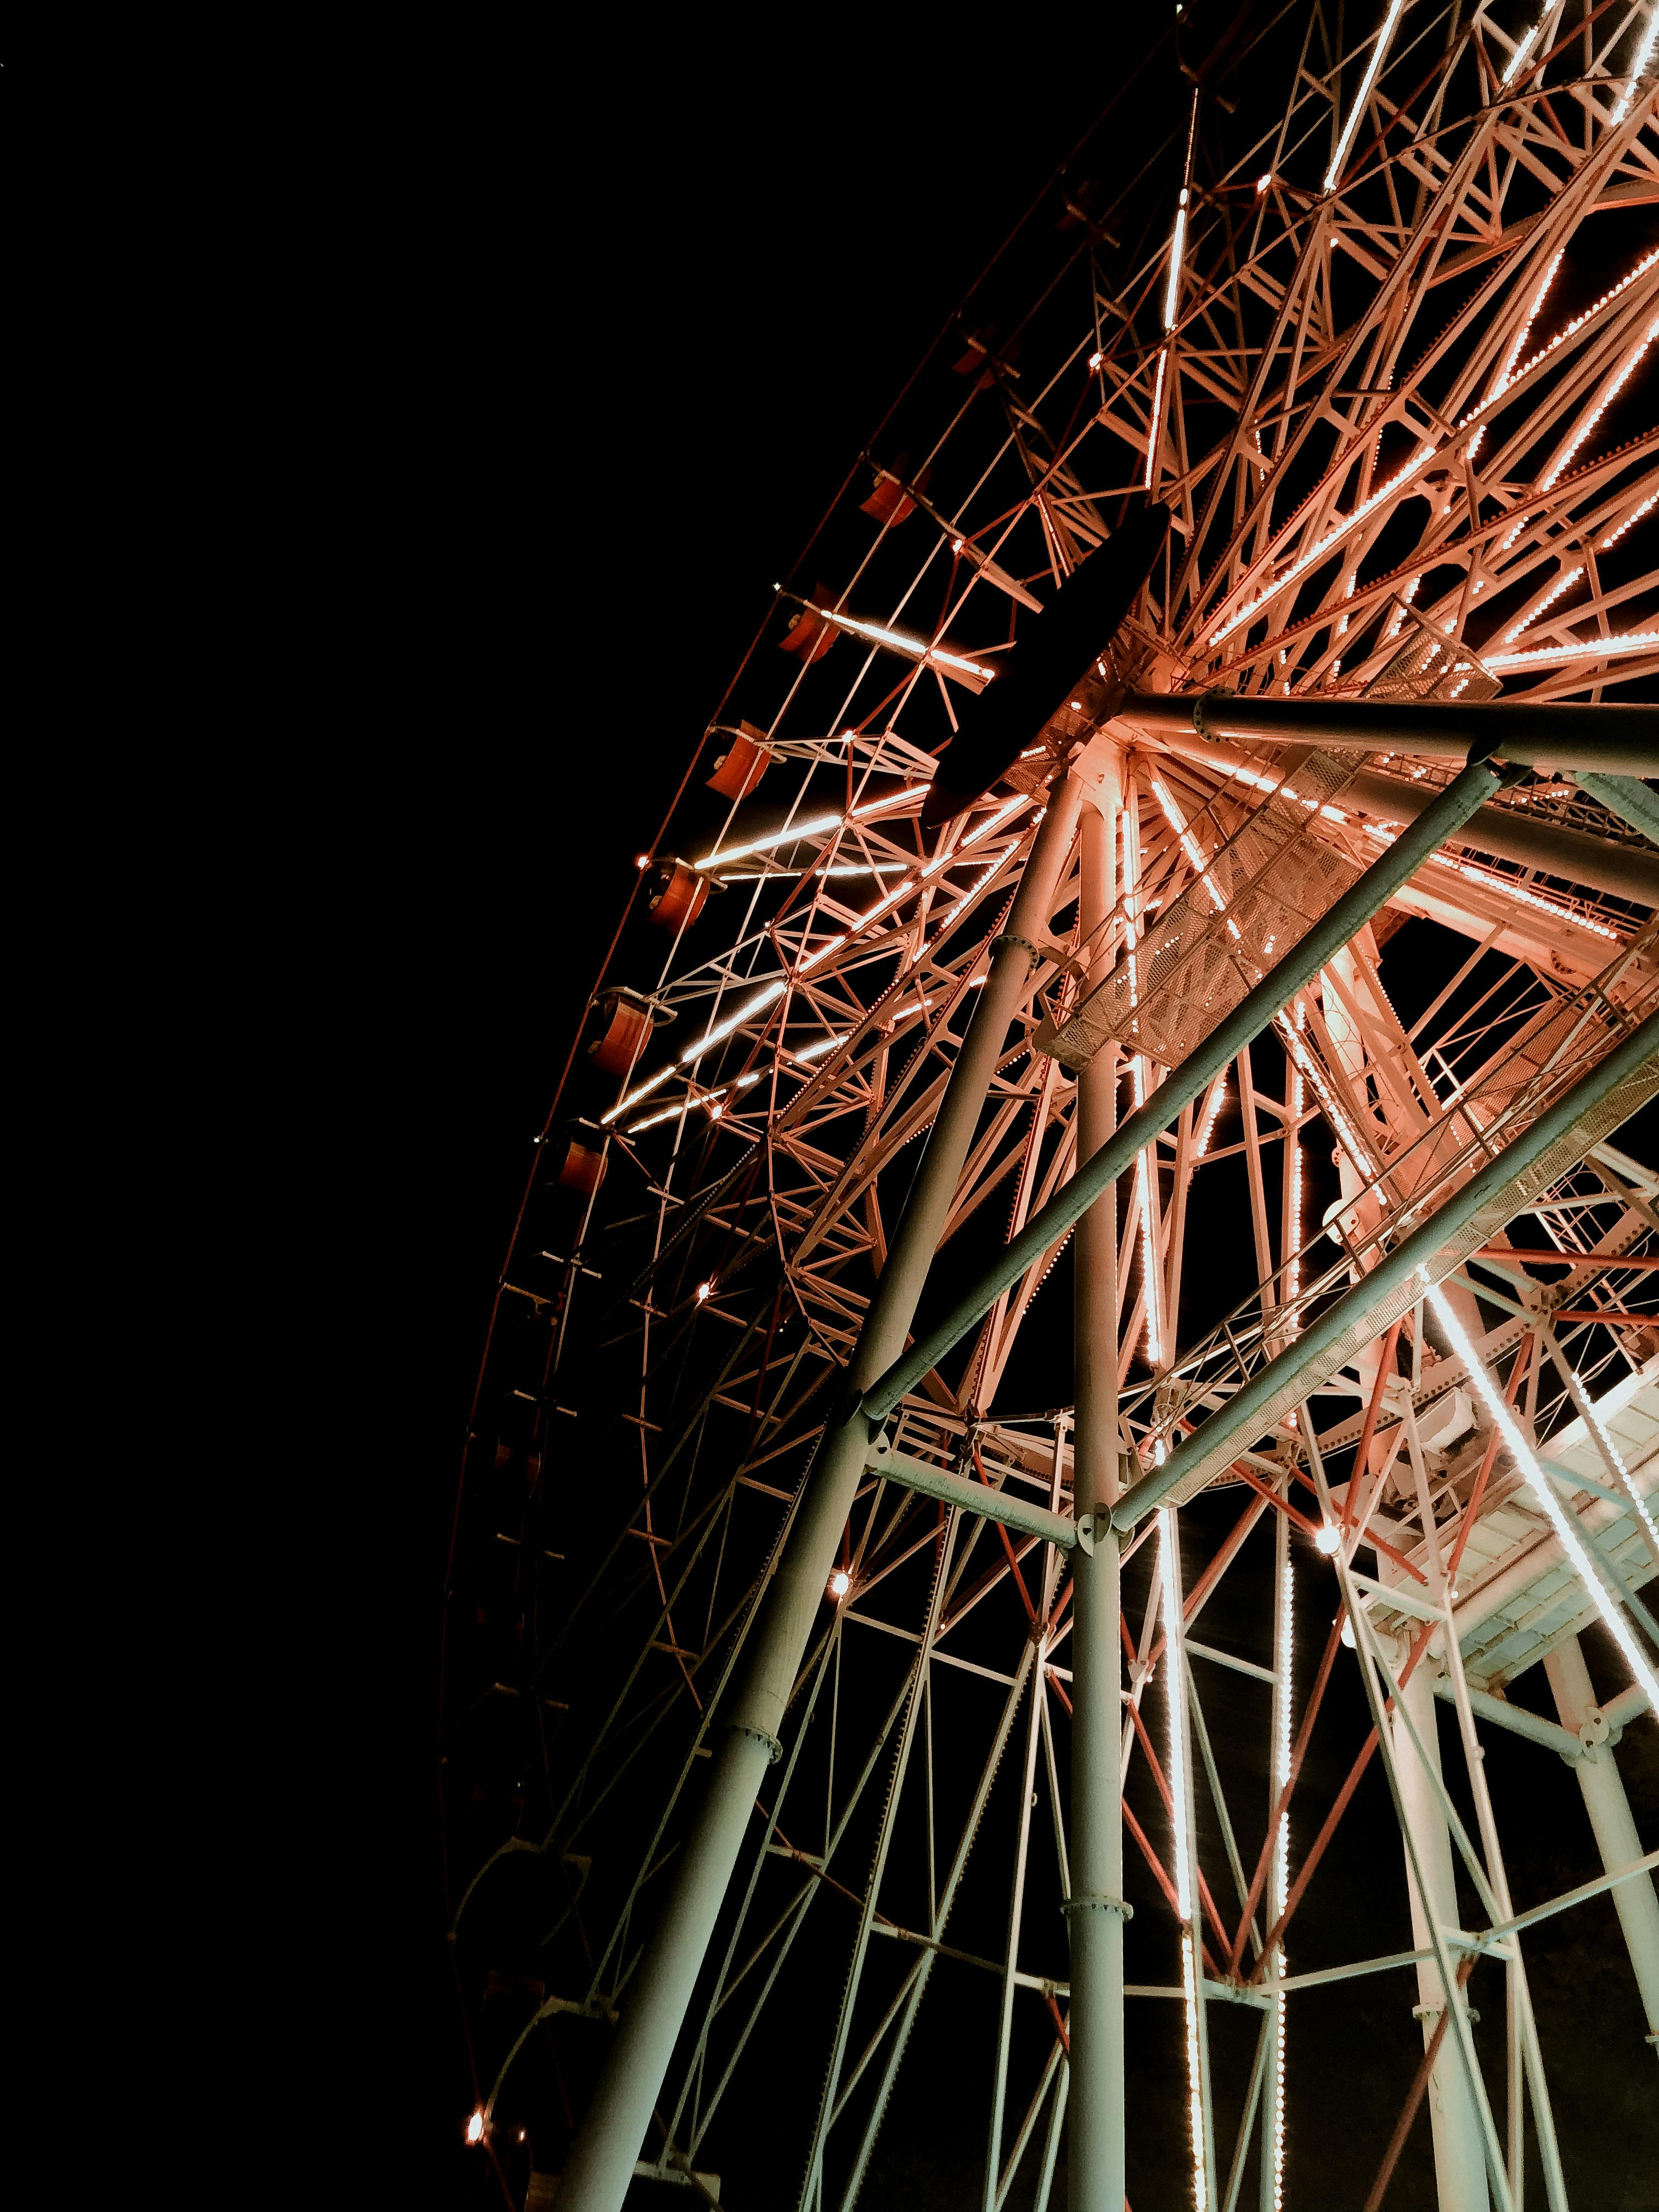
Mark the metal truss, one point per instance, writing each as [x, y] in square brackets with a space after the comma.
[1358, 355]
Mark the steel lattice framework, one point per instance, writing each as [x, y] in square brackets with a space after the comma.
[1394, 405]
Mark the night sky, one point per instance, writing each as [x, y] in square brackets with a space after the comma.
[673, 280]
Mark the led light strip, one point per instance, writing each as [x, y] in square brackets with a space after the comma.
[1565, 1526]
[1151, 1283]
[1181, 1793]
[1618, 532]
[1344, 524]
[1525, 48]
[1610, 392]
[1366, 83]
[1293, 1138]
[816, 827]
[1280, 1878]
[1563, 582]
[1218, 1096]
[1177, 242]
[1645, 54]
[1157, 404]
[902, 891]
[1588, 648]
[923, 651]
[1507, 886]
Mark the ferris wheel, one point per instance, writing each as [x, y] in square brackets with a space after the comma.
[1084, 1320]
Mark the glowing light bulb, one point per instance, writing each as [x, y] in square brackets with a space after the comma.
[840, 1583]
[1261, 184]
[643, 859]
[703, 1288]
[1328, 1540]
[474, 2128]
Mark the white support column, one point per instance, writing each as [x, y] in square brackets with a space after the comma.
[1459, 2158]
[1610, 1816]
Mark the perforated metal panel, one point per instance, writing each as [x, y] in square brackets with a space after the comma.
[1431, 665]
[1260, 895]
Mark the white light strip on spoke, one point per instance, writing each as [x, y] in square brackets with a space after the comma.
[1174, 1684]
[1177, 242]
[1378, 51]
[1145, 1185]
[1644, 55]
[1525, 45]
[1563, 1523]
[1585, 648]
[1620, 377]
[1629, 522]
[721, 1030]
[902, 891]
[819, 824]
[1218, 1098]
[1424, 453]
[1563, 582]
[1293, 1140]
[824, 1045]
[652, 1082]
[1506, 886]
[1280, 1883]
[1158, 403]
[917, 646]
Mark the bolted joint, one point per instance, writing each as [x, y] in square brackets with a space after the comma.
[1099, 1903]
[774, 1748]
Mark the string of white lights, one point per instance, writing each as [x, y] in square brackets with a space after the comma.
[1565, 1525]
[1151, 1277]
[1378, 53]
[1181, 1793]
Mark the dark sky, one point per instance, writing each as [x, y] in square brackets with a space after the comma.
[668, 283]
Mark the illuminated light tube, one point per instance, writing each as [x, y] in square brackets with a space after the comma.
[1157, 404]
[1566, 1526]
[723, 1030]
[709, 1102]
[919, 647]
[1152, 1281]
[1561, 584]
[1525, 47]
[790, 837]
[1181, 1795]
[1616, 533]
[1577, 323]
[824, 1045]
[902, 891]
[1345, 523]
[1617, 1459]
[1218, 1098]
[1378, 53]
[652, 1082]
[1281, 1873]
[1610, 392]
[1178, 239]
[1509, 886]
[1644, 55]
[1505, 375]
[1293, 1138]
[1588, 648]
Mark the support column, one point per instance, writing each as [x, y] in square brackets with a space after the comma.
[654, 2008]
[1610, 1816]
[1459, 2162]
[1094, 2143]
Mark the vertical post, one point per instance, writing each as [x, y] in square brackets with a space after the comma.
[1096, 1911]
[602, 2159]
[1459, 2162]
[1610, 1817]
